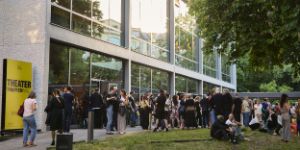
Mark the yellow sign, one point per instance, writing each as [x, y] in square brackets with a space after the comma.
[17, 86]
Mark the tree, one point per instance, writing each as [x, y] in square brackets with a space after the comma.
[266, 30]
[274, 87]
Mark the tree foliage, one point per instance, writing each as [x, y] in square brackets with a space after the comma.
[266, 30]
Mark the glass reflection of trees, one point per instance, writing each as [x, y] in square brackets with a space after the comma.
[144, 78]
[185, 39]
[185, 85]
[100, 19]
[208, 87]
[209, 64]
[225, 68]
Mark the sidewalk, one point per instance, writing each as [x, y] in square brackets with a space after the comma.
[43, 140]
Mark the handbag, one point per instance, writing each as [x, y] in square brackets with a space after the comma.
[21, 110]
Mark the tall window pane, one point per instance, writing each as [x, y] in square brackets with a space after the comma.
[108, 70]
[60, 17]
[160, 80]
[59, 65]
[81, 25]
[209, 64]
[150, 26]
[82, 6]
[185, 84]
[225, 68]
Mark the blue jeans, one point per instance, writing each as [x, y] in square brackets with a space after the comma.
[212, 116]
[109, 115]
[246, 116]
[133, 118]
[29, 123]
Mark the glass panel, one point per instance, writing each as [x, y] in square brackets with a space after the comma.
[81, 25]
[108, 12]
[107, 69]
[106, 34]
[209, 64]
[185, 85]
[79, 66]
[185, 63]
[208, 87]
[59, 66]
[140, 79]
[150, 25]
[64, 3]
[160, 80]
[60, 17]
[225, 68]
[82, 7]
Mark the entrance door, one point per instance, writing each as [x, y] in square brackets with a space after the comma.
[95, 85]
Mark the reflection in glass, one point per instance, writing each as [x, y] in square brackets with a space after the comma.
[209, 64]
[150, 27]
[208, 87]
[160, 80]
[59, 65]
[82, 6]
[79, 66]
[185, 85]
[60, 17]
[64, 3]
[108, 70]
[225, 68]
[145, 79]
[185, 40]
[81, 25]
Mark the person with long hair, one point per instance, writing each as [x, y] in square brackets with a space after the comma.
[144, 109]
[160, 110]
[56, 108]
[286, 118]
[174, 109]
[30, 107]
[123, 102]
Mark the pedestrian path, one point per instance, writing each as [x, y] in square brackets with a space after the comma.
[43, 140]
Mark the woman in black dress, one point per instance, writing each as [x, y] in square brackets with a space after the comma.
[189, 115]
[144, 109]
[55, 108]
[160, 110]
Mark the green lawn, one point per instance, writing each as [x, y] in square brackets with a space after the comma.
[144, 141]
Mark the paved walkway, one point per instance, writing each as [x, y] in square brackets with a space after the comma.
[43, 140]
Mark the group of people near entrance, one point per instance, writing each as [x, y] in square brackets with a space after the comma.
[224, 114]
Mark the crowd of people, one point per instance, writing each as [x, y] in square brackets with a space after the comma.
[114, 110]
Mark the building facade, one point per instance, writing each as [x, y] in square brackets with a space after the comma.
[138, 45]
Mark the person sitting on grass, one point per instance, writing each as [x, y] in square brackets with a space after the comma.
[221, 131]
[235, 126]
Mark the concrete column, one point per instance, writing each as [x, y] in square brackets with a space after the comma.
[127, 23]
[200, 57]
[172, 31]
[200, 87]
[128, 75]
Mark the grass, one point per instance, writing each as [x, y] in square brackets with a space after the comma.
[147, 141]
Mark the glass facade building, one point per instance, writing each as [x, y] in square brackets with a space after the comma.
[138, 45]
[159, 30]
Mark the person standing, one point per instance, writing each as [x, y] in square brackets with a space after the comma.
[198, 111]
[110, 101]
[237, 108]
[227, 104]
[96, 103]
[205, 112]
[56, 108]
[132, 110]
[123, 102]
[174, 113]
[30, 107]
[181, 110]
[144, 109]
[246, 111]
[68, 98]
[160, 110]
[286, 118]
[189, 114]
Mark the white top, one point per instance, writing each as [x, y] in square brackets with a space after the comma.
[253, 121]
[28, 103]
[230, 123]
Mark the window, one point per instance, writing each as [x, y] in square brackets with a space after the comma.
[226, 69]
[60, 17]
[185, 85]
[209, 64]
[150, 26]
[81, 25]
